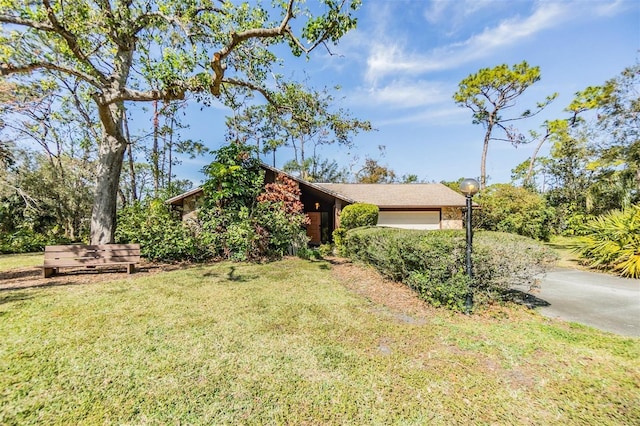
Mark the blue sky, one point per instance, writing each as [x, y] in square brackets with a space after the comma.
[400, 68]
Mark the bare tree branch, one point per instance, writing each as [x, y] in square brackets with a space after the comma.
[8, 69]
[170, 94]
[16, 20]
[236, 38]
[264, 92]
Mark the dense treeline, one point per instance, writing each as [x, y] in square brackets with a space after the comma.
[49, 146]
[589, 184]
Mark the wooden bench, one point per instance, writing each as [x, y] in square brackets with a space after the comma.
[78, 255]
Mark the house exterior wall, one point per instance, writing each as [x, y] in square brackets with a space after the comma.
[426, 219]
[190, 206]
[451, 218]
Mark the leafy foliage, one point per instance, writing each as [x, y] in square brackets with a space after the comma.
[374, 172]
[359, 214]
[156, 50]
[593, 163]
[161, 235]
[234, 178]
[26, 240]
[506, 208]
[491, 91]
[433, 262]
[612, 242]
[304, 120]
[243, 219]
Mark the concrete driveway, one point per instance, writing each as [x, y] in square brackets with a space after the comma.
[599, 300]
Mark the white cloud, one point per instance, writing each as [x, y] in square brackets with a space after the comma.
[428, 117]
[436, 10]
[402, 94]
[393, 59]
[611, 9]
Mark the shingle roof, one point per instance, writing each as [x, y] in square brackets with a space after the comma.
[397, 195]
[178, 198]
[392, 195]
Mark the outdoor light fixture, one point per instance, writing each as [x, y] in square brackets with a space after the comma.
[469, 187]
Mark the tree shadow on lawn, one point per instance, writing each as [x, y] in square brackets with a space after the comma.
[17, 296]
[232, 276]
[27, 278]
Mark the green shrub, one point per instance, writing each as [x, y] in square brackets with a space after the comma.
[450, 293]
[501, 260]
[25, 240]
[162, 237]
[359, 214]
[278, 228]
[325, 250]
[612, 242]
[433, 262]
[339, 235]
[309, 253]
[244, 219]
[507, 208]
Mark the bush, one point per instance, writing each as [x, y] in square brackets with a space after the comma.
[339, 234]
[243, 219]
[162, 237]
[612, 242]
[507, 208]
[433, 262]
[359, 214]
[325, 250]
[25, 240]
[309, 254]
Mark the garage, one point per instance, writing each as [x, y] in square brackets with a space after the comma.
[429, 219]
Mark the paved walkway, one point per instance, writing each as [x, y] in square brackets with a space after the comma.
[599, 300]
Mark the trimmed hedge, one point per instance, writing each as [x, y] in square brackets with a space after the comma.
[359, 214]
[433, 262]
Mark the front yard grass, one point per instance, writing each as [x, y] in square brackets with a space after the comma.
[286, 343]
[567, 258]
[24, 260]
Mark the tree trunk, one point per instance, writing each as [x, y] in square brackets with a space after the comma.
[483, 162]
[132, 168]
[110, 159]
[527, 179]
[170, 149]
[155, 155]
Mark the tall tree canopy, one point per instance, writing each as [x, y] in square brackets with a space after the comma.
[113, 49]
[488, 93]
[302, 119]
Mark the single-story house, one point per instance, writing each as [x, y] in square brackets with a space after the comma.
[413, 206]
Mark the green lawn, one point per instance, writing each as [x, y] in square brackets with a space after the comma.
[563, 246]
[13, 261]
[286, 343]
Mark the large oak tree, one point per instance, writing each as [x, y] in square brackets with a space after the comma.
[115, 47]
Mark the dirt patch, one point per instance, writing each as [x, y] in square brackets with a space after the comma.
[23, 278]
[403, 302]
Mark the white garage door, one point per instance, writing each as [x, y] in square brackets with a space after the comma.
[410, 220]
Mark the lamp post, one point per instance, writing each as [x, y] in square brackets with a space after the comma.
[469, 187]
